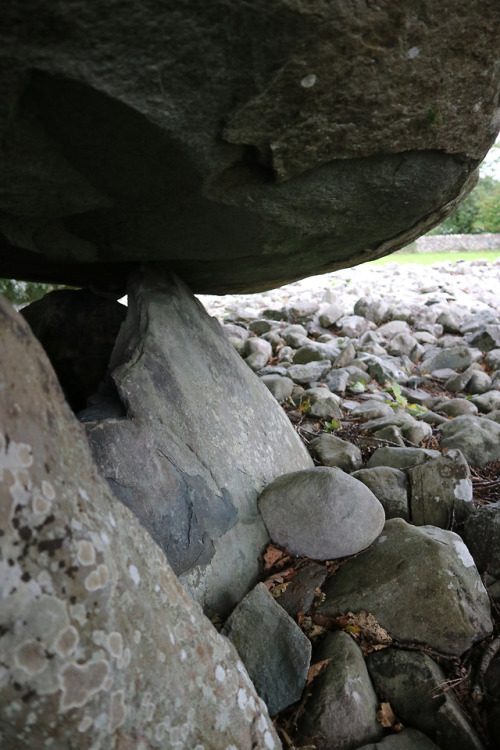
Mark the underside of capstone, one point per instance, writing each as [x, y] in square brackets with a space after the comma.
[243, 145]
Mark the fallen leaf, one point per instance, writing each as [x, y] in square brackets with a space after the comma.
[385, 715]
[273, 556]
[316, 669]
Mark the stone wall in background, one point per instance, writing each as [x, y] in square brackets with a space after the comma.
[451, 243]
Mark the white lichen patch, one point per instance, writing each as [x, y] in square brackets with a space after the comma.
[98, 579]
[41, 506]
[220, 673]
[308, 81]
[463, 553]
[115, 644]
[463, 490]
[67, 641]
[137, 637]
[85, 552]
[134, 574]
[30, 657]
[118, 711]
[48, 490]
[85, 724]
[78, 613]
[124, 660]
[79, 683]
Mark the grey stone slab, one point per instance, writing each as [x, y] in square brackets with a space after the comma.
[274, 650]
[201, 437]
[341, 710]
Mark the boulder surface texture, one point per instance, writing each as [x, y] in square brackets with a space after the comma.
[398, 577]
[199, 439]
[99, 644]
[242, 144]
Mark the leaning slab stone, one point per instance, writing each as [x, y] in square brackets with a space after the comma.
[415, 686]
[390, 487]
[421, 585]
[200, 439]
[333, 451]
[341, 710]
[476, 437]
[273, 648]
[441, 491]
[100, 647]
[401, 458]
[321, 513]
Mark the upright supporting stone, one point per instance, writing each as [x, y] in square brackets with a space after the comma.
[201, 439]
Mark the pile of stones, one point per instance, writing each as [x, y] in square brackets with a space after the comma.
[389, 546]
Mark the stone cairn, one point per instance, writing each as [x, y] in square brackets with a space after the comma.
[372, 608]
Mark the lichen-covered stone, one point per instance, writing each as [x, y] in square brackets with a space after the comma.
[200, 438]
[441, 491]
[421, 585]
[243, 144]
[99, 644]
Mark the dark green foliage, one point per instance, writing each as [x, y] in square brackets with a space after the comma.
[478, 212]
[23, 292]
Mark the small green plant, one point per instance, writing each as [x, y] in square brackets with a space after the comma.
[333, 425]
[305, 406]
[415, 410]
[357, 387]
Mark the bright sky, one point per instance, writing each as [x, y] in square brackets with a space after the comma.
[491, 164]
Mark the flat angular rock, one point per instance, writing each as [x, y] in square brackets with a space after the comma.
[400, 458]
[333, 451]
[476, 437]
[414, 685]
[310, 372]
[441, 491]
[341, 710]
[280, 387]
[101, 647]
[488, 401]
[274, 650]
[421, 585]
[321, 513]
[298, 594]
[200, 438]
[454, 407]
[455, 358]
[390, 487]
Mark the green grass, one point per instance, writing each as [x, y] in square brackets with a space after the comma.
[428, 259]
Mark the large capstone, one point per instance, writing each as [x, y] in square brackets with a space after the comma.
[198, 440]
[243, 144]
[99, 644]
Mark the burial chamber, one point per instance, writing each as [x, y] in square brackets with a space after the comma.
[241, 145]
